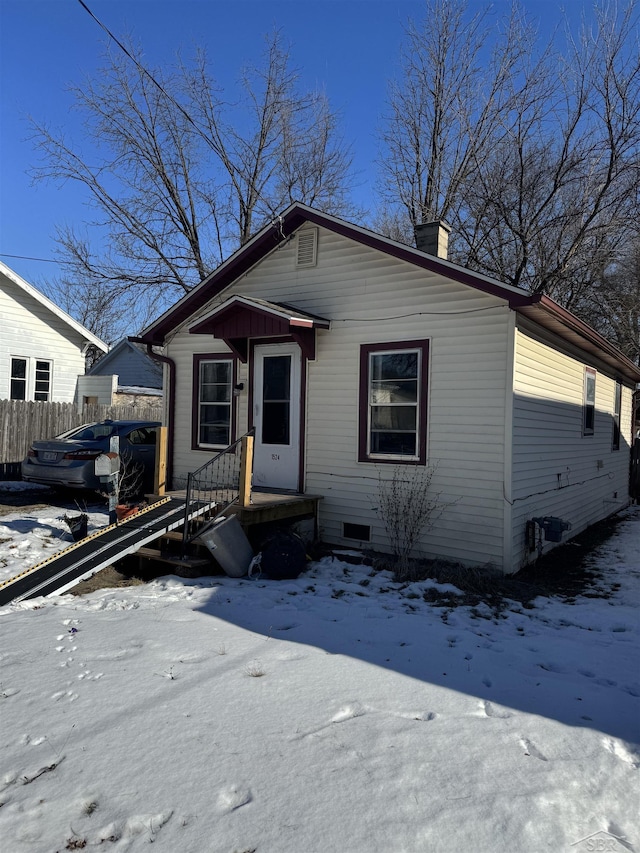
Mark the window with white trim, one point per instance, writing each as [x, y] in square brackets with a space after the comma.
[393, 397]
[42, 385]
[215, 377]
[18, 379]
[589, 402]
[30, 379]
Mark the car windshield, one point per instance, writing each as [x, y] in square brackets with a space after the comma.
[92, 432]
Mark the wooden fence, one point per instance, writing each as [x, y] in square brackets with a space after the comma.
[22, 423]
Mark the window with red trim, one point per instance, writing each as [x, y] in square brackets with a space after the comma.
[393, 402]
[213, 409]
[617, 407]
[589, 402]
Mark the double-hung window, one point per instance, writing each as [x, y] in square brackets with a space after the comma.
[213, 421]
[393, 402]
[589, 402]
[18, 378]
[30, 379]
[42, 386]
[617, 406]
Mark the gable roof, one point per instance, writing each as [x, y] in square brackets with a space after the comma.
[242, 317]
[38, 296]
[136, 361]
[535, 306]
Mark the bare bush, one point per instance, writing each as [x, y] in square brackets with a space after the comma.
[408, 507]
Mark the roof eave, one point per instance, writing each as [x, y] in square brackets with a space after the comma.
[549, 314]
[77, 327]
[538, 307]
[280, 230]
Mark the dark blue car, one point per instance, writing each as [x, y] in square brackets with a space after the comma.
[68, 460]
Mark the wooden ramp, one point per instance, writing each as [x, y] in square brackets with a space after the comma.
[79, 561]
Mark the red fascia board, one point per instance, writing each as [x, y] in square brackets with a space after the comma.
[237, 265]
[541, 303]
[271, 237]
[418, 259]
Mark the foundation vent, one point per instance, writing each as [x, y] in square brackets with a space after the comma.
[361, 532]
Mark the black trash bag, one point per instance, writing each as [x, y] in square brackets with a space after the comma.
[77, 525]
[283, 556]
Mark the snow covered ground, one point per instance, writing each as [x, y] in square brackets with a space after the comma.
[336, 712]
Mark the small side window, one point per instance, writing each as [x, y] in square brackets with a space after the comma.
[589, 402]
[617, 406]
[42, 382]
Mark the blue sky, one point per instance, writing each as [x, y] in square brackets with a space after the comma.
[348, 47]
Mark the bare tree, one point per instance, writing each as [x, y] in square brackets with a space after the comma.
[93, 303]
[285, 147]
[549, 205]
[532, 157]
[449, 107]
[612, 303]
[179, 175]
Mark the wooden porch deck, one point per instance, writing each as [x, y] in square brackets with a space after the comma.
[268, 507]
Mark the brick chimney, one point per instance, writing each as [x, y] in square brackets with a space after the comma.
[433, 238]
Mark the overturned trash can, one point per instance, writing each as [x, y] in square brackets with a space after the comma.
[227, 541]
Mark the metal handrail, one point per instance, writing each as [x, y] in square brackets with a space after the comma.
[211, 489]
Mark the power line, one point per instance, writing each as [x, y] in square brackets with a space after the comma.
[148, 74]
[28, 258]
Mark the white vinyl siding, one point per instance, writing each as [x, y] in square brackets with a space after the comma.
[373, 298]
[32, 332]
[557, 470]
[505, 405]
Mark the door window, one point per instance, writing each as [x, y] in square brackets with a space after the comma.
[276, 400]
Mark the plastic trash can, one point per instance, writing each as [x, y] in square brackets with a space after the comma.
[227, 541]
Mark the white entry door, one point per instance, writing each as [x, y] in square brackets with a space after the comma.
[276, 415]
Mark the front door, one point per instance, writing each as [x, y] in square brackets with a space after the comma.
[276, 415]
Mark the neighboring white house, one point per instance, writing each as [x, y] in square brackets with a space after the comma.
[42, 349]
[125, 376]
[354, 356]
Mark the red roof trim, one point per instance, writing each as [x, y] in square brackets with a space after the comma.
[541, 308]
[534, 306]
[273, 235]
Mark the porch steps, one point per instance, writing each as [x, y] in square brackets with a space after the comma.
[193, 565]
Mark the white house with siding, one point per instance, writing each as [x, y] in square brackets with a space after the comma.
[354, 356]
[42, 348]
[126, 376]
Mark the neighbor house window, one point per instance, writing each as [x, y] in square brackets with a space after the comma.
[42, 382]
[18, 378]
[213, 410]
[617, 405]
[30, 379]
[589, 402]
[393, 402]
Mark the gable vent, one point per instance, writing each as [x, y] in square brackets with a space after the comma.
[307, 248]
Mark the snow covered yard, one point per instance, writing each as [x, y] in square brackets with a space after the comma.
[336, 712]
